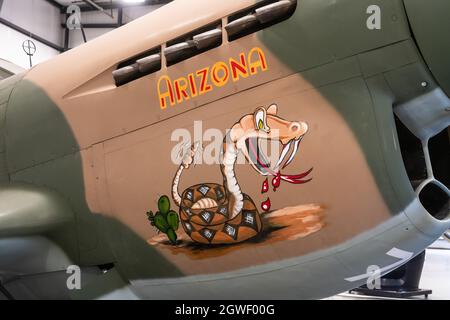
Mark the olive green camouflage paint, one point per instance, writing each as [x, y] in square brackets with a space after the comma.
[361, 77]
[363, 73]
[42, 152]
[429, 24]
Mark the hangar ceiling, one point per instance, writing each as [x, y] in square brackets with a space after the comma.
[87, 5]
[114, 9]
[97, 17]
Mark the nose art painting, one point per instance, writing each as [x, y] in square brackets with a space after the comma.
[217, 218]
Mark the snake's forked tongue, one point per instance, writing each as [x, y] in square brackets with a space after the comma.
[293, 179]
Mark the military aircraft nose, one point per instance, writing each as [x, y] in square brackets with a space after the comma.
[430, 23]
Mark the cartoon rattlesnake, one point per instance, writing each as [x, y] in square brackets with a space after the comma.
[222, 214]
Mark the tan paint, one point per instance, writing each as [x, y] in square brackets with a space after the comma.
[125, 136]
[139, 170]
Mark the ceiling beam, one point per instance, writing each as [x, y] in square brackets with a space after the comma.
[97, 25]
[118, 5]
[55, 4]
[31, 35]
[98, 7]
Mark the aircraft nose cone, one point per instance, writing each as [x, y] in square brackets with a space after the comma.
[430, 24]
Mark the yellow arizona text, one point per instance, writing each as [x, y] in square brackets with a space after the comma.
[172, 92]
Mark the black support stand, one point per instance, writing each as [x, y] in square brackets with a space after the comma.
[400, 283]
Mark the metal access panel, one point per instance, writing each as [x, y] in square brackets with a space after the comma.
[430, 25]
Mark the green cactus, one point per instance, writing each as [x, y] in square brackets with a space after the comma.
[173, 220]
[164, 205]
[172, 236]
[165, 220]
[161, 223]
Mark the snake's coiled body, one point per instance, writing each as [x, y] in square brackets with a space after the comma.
[211, 213]
[215, 225]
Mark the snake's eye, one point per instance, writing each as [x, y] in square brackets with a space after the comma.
[261, 120]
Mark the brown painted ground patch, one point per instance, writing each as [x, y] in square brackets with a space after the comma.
[285, 224]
